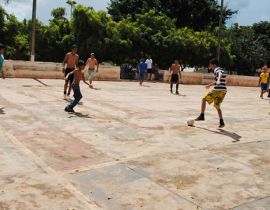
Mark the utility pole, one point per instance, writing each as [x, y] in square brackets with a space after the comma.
[219, 29]
[72, 3]
[33, 39]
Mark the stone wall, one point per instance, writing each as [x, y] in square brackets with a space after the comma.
[203, 79]
[47, 70]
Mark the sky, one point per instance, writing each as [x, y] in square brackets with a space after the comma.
[249, 11]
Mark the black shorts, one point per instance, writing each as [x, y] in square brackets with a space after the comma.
[175, 78]
[149, 71]
[71, 77]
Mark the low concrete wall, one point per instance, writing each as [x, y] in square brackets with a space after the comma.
[47, 70]
[203, 79]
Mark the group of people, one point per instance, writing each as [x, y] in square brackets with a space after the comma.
[73, 69]
[215, 96]
[146, 69]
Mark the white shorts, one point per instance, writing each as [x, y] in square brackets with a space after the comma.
[91, 74]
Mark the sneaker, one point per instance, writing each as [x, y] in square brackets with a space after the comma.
[221, 123]
[200, 118]
[69, 110]
[177, 93]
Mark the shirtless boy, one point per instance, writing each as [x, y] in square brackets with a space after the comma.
[78, 75]
[91, 63]
[175, 71]
[69, 64]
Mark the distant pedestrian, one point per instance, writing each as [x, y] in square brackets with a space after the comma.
[175, 71]
[149, 63]
[263, 81]
[92, 64]
[142, 70]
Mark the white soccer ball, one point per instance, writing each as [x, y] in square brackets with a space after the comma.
[190, 122]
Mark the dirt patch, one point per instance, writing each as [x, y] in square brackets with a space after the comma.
[4, 205]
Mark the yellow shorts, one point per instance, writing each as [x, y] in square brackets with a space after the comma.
[215, 96]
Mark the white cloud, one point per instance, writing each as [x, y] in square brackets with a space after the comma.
[250, 11]
[20, 8]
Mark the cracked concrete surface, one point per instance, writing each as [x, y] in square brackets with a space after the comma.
[129, 148]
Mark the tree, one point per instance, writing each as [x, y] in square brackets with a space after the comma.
[249, 49]
[17, 45]
[195, 14]
[59, 13]
[262, 31]
[89, 28]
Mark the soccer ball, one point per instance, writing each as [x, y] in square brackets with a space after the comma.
[191, 123]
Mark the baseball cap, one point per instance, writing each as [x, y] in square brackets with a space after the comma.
[74, 46]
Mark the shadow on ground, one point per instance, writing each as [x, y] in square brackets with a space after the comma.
[223, 132]
[80, 115]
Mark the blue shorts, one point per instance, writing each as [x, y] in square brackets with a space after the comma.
[263, 86]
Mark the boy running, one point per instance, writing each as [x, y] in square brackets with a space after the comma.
[69, 64]
[91, 63]
[78, 75]
[263, 81]
[2, 59]
[142, 70]
[175, 71]
[216, 95]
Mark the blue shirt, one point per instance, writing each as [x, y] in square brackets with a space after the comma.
[222, 85]
[142, 67]
[1, 63]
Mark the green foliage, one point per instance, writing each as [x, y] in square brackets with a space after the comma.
[250, 45]
[195, 14]
[58, 13]
[148, 31]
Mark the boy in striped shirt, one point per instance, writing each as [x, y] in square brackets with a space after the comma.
[218, 93]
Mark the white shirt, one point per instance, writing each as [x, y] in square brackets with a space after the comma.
[149, 63]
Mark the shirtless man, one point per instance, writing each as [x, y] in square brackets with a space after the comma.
[91, 63]
[78, 75]
[69, 64]
[175, 71]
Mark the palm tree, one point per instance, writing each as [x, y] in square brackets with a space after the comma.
[72, 4]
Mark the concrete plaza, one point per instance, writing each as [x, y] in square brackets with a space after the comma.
[129, 147]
